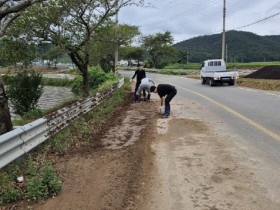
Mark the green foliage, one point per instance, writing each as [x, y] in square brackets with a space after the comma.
[35, 188]
[57, 82]
[149, 64]
[8, 192]
[58, 144]
[51, 180]
[162, 64]
[9, 195]
[183, 66]
[255, 65]
[29, 116]
[159, 48]
[241, 47]
[41, 180]
[15, 50]
[135, 53]
[263, 84]
[96, 77]
[102, 51]
[52, 55]
[25, 90]
[77, 85]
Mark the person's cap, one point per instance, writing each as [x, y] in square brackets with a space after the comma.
[139, 65]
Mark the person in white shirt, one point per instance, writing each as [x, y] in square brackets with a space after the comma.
[145, 85]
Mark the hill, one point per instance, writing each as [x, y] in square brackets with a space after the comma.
[241, 47]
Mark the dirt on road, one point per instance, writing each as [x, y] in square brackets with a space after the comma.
[140, 161]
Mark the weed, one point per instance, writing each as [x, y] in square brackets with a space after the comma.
[8, 192]
[57, 82]
[41, 180]
[51, 180]
[35, 188]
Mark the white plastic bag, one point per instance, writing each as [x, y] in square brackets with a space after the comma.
[161, 109]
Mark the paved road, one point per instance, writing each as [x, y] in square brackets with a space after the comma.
[252, 114]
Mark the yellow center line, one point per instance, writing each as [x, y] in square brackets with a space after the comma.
[253, 123]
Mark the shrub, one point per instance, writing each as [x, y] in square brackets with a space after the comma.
[96, 77]
[24, 91]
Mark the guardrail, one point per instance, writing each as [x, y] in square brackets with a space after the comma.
[22, 139]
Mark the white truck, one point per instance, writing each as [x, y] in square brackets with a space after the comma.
[214, 72]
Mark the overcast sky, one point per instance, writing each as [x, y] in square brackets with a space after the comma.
[186, 19]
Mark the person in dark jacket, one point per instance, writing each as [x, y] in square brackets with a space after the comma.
[139, 74]
[166, 93]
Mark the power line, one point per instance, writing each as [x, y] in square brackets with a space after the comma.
[192, 10]
[261, 20]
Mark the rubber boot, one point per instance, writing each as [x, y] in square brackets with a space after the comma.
[166, 111]
[136, 98]
[148, 97]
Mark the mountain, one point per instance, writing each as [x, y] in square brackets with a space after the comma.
[241, 46]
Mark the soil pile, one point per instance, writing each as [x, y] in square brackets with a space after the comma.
[268, 72]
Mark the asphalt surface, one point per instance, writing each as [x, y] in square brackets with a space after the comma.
[252, 114]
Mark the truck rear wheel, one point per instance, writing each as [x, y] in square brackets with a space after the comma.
[231, 83]
[203, 80]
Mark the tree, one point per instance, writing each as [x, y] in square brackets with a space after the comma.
[15, 51]
[72, 26]
[9, 11]
[107, 39]
[136, 53]
[52, 55]
[159, 46]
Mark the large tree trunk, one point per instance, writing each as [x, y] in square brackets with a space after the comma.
[82, 64]
[5, 116]
[85, 82]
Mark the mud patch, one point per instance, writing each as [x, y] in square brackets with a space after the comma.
[128, 132]
[111, 175]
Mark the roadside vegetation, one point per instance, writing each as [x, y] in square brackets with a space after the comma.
[263, 84]
[41, 179]
[251, 65]
[85, 44]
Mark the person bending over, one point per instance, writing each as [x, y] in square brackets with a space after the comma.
[166, 93]
[145, 85]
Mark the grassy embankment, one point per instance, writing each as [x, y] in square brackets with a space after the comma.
[37, 168]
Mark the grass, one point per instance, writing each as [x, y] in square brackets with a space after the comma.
[251, 65]
[263, 84]
[255, 65]
[42, 180]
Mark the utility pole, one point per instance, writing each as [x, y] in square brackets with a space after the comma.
[224, 31]
[226, 53]
[117, 41]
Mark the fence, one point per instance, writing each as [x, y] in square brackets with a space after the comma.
[22, 139]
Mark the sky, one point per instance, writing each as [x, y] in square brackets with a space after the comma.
[187, 19]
